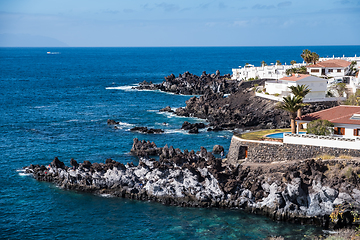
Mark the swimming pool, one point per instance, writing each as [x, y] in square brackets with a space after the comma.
[280, 135]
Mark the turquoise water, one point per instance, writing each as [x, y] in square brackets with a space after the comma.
[58, 105]
[280, 135]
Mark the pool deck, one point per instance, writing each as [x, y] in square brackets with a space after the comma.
[280, 133]
[260, 134]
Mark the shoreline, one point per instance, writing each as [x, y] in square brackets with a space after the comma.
[190, 179]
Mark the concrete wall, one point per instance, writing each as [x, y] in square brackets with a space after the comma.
[263, 151]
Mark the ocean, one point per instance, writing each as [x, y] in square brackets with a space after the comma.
[57, 105]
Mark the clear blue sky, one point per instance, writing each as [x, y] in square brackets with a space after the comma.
[95, 23]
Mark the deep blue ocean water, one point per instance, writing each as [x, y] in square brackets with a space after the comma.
[58, 105]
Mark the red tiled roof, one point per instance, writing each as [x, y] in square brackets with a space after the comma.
[295, 77]
[339, 114]
[332, 63]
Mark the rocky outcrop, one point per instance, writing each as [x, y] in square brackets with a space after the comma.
[190, 84]
[217, 149]
[144, 148]
[241, 110]
[146, 130]
[166, 109]
[193, 127]
[112, 122]
[299, 191]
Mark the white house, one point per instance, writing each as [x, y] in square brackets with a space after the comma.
[336, 68]
[346, 120]
[349, 59]
[318, 86]
[263, 72]
[278, 71]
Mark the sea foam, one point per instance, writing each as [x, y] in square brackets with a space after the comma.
[124, 88]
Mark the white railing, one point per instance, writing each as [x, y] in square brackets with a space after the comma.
[322, 141]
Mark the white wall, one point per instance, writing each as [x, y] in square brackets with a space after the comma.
[317, 85]
[323, 141]
[281, 87]
[349, 130]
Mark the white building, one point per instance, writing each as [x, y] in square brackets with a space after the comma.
[263, 72]
[318, 86]
[336, 68]
[349, 59]
[346, 120]
[279, 71]
[354, 82]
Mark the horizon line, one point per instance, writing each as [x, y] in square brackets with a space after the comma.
[174, 46]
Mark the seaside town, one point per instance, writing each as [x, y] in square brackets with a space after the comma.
[294, 154]
[189, 120]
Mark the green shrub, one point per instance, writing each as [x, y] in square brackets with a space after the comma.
[276, 94]
[320, 127]
[267, 93]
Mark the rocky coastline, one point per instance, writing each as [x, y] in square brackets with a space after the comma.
[227, 104]
[190, 84]
[303, 191]
[240, 110]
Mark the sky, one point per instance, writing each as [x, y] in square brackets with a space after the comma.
[161, 23]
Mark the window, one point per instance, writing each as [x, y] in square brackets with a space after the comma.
[339, 70]
[315, 70]
[339, 131]
[331, 70]
[357, 132]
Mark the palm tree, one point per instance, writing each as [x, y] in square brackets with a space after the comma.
[291, 105]
[314, 57]
[300, 91]
[293, 62]
[263, 63]
[278, 62]
[306, 55]
[309, 57]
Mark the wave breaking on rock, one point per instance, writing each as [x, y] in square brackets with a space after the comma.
[298, 191]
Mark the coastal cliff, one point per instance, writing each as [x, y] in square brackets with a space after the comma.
[227, 104]
[296, 191]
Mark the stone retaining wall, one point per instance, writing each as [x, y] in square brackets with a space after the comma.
[263, 151]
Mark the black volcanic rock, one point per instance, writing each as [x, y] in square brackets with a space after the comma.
[143, 148]
[190, 84]
[187, 126]
[56, 163]
[241, 110]
[294, 191]
[166, 109]
[147, 130]
[218, 149]
[74, 163]
[112, 122]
